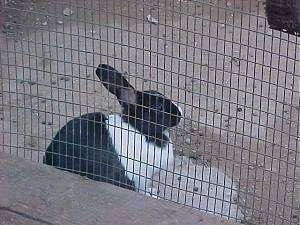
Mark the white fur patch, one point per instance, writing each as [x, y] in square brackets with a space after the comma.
[140, 158]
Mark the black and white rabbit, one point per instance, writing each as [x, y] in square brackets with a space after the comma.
[123, 150]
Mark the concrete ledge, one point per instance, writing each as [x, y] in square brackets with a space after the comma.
[37, 194]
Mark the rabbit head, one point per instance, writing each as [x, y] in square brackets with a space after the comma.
[149, 112]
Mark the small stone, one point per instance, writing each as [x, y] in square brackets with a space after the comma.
[188, 140]
[65, 78]
[45, 23]
[152, 20]
[235, 61]
[235, 200]
[192, 129]
[193, 157]
[254, 114]
[48, 123]
[179, 179]
[239, 109]
[195, 189]
[8, 28]
[59, 22]
[67, 11]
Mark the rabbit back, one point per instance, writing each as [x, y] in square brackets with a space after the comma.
[83, 146]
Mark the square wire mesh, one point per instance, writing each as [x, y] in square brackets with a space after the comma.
[237, 81]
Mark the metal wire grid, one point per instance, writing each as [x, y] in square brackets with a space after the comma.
[258, 89]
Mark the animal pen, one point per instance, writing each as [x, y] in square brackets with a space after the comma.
[235, 81]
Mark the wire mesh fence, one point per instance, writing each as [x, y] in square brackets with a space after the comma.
[235, 151]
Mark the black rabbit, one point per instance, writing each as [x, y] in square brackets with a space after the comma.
[123, 150]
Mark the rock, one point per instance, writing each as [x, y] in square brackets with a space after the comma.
[67, 11]
[235, 61]
[45, 23]
[59, 22]
[8, 28]
[31, 82]
[64, 78]
[152, 20]
[188, 140]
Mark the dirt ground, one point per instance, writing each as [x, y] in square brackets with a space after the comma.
[237, 81]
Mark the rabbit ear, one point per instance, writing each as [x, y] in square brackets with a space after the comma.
[116, 84]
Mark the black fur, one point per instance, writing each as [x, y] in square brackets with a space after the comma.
[83, 146]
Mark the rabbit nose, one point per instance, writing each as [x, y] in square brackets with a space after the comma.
[179, 108]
